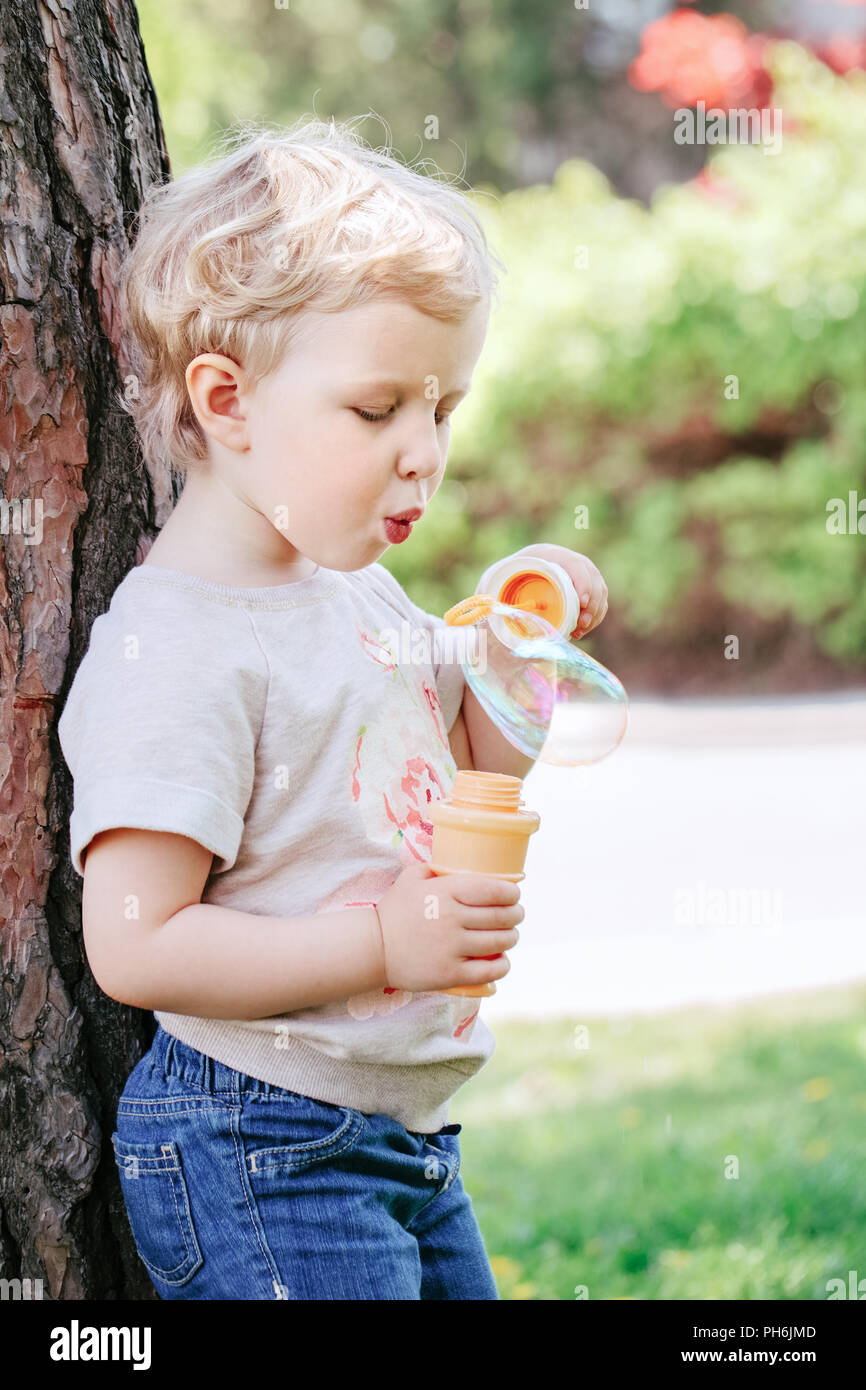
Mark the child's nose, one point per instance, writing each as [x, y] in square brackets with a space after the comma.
[422, 458]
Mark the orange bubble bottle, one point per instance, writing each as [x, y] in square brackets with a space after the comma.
[483, 827]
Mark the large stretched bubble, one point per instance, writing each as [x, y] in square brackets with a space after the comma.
[547, 697]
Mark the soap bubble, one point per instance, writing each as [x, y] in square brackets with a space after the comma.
[547, 697]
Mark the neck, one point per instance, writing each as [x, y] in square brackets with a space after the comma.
[212, 532]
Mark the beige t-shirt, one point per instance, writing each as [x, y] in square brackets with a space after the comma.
[300, 733]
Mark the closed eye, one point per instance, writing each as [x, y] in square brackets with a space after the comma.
[440, 416]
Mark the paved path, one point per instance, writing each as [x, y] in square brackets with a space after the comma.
[720, 853]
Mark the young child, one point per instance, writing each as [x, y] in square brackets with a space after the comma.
[253, 758]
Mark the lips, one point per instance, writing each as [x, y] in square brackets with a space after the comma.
[399, 529]
[412, 515]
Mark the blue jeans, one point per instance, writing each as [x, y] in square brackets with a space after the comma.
[237, 1189]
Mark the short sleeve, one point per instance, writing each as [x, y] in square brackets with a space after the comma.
[445, 648]
[160, 726]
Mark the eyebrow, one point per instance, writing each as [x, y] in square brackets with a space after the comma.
[389, 384]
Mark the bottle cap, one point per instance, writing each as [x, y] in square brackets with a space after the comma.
[535, 586]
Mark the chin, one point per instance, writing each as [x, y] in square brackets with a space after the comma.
[360, 562]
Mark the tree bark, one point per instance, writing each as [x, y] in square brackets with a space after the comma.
[80, 139]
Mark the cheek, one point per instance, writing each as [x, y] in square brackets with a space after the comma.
[338, 480]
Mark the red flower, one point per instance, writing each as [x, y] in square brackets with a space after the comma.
[688, 57]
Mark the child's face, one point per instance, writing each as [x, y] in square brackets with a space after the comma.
[336, 475]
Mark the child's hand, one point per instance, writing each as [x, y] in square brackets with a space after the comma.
[590, 587]
[432, 923]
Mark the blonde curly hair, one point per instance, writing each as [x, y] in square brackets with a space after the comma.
[278, 221]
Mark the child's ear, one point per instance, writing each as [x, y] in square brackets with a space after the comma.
[217, 388]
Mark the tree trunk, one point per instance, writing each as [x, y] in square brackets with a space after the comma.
[80, 139]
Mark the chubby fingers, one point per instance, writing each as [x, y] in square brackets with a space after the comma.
[592, 593]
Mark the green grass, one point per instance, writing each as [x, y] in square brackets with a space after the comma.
[605, 1165]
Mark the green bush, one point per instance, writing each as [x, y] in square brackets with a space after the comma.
[608, 384]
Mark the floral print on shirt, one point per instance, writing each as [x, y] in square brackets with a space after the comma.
[401, 764]
[402, 761]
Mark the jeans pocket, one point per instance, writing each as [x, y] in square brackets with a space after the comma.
[447, 1146]
[157, 1204]
[317, 1132]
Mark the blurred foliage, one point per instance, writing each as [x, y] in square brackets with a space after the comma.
[454, 59]
[608, 384]
[515, 85]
